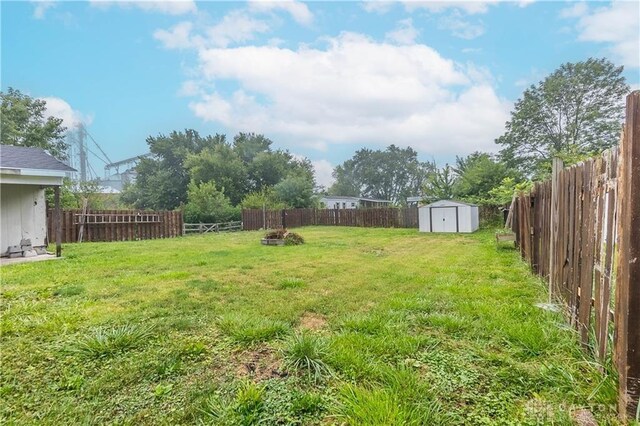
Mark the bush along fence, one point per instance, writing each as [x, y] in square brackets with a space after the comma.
[581, 232]
[115, 225]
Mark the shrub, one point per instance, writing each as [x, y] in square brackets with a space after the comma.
[207, 204]
[306, 353]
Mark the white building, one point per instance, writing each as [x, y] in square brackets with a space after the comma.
[448, 216]
[24, 175]
[341, 202]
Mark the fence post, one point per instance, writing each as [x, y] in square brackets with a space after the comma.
[57, 220]
[555, 212]
[627, 321]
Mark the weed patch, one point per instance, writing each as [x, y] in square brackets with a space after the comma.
[106, 342]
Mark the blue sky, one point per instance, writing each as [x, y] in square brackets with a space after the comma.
[321, 79]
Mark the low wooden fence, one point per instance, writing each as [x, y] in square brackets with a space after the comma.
[203, 228]
[116, 225]
[253, 219]
[581, 232]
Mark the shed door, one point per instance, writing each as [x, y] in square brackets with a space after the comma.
[443, 219]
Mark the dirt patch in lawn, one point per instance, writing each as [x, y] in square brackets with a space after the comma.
[260, 364]
[312, 321]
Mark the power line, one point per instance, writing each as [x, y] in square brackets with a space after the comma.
[99, 147]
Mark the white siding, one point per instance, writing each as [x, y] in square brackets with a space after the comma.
[440, 216]
[22, 215]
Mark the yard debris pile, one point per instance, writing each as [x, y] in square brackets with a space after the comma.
[282, 237]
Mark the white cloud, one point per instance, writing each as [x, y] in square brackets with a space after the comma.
[377, 6]
[460, 27]
[323, 170]
[617, 25]
[177, 37]
[405, 33]
[470, 7]
[354, 91]
[235, 27]
[59, 108]
[299, 11]
[40, 8]
[575, 11]
[172, 7]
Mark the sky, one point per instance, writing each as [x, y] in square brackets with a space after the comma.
[321, 79]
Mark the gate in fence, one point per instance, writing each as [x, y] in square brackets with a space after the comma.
[203, 228]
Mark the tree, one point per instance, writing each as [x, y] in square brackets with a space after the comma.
[23, 123]
[393, 174]
[503, 193]
[578, 108]
[162, 179]
[222, 165]
[266, 198]
[249, 145]
[477, 174]
[207, 204]
[439, 185]
[295, 192]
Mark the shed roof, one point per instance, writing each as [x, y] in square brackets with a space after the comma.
[20, 157]
[451, 202]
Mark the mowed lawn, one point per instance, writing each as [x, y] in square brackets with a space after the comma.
[358, 326]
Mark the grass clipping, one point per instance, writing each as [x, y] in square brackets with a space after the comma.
[289, 238]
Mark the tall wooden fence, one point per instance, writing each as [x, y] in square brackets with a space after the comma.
[253, 219]
[116, 225]
[581, 232]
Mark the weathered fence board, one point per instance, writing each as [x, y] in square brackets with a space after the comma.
[573, 229]
[116, 225]
[253, 219]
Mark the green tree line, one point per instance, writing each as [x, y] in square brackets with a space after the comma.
[573, 113]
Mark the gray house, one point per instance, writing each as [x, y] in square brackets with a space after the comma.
[24, 175]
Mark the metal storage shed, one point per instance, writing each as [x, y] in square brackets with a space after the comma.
[448, 216]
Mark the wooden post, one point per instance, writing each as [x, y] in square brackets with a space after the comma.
[57, 217]
[85, 204]
[627, 320]
[555, 212]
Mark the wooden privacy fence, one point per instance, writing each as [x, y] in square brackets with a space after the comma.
[581, 232]
[253, 219]
[115, 225]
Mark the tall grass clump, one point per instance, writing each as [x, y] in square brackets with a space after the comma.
[291, 283]
[307, 353]
[363, 406]
[244, 408]
[249, 330]
[105, 342]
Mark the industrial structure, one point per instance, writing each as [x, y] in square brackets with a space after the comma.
[83, 148]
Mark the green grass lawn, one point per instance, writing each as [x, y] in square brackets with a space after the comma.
[358, 326]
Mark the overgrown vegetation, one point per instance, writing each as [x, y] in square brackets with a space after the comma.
[443, 329]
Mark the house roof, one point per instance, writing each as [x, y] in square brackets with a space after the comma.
[344, 197]
[20, 157]
[460, 203]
